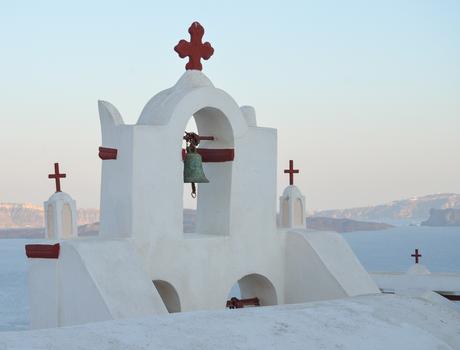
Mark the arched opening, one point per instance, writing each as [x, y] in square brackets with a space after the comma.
[213, 198]
[255, 286]
[168, 294]
[298, 213]
[49, 222]
[66, 221]
[189, 203]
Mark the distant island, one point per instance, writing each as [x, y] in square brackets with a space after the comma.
[401, 212]
[31, 216]
[343, 225]
[23, 220]
[443, 217]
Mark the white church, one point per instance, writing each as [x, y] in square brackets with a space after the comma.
[147, 279]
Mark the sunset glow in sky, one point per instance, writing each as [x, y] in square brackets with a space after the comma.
[365, 94]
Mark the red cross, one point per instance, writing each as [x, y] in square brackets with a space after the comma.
[195, 49]
[57, 177]
[416, 256]
[291, 171]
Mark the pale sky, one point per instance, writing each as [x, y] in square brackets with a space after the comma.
[365, 94]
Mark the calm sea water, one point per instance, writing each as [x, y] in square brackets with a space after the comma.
[391, 250]
[387, 250]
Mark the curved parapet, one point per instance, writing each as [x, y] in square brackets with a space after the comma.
[109, 114]
[110, 118]
[321, 266]
[92, 280]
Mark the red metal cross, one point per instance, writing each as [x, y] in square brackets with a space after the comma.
[195, 49]
[291, 171]
[416, 256]
[57, 177]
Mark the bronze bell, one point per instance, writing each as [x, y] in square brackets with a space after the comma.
[193, 164]
[193, 168]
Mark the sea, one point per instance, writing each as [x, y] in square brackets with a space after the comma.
[389, 250]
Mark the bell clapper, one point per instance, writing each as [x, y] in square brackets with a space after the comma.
[193, 190]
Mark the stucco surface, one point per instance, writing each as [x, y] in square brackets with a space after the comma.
[379, 322]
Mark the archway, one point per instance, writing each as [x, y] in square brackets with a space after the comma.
[213, 200]
[189, 203]
[168, 294]
[252, 286]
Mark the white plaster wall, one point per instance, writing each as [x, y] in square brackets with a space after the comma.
[158, 185]
[116, 208]
[210, 266]
[43, 293]
[253, 205]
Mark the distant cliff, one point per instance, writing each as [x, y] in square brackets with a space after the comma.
[343, 225]
[412, 210]
[25, 215]
[84, 229]
[443, 217]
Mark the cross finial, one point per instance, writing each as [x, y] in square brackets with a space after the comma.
[195, 49]
[416, 256]
[57, 177]
[291, 171]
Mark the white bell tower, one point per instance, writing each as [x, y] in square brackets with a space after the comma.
[60, 211]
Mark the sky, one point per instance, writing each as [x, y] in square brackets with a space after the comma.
[365, 94]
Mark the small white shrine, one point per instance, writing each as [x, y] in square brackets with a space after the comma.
[292, 203]
[419, 278]
[143, 263]
[60, 211]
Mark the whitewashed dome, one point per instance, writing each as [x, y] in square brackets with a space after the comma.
[292, 191]
[60, 196]
[418, 269]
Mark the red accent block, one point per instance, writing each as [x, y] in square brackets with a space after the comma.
[107, 153]
[210, 155]
[43, 251]
[235, 303]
